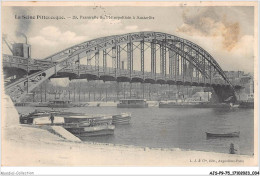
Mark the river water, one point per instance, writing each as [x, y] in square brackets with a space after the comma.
[177, 128]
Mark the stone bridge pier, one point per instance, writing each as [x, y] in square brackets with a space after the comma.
[223, 94]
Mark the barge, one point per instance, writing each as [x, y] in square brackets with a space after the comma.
[169, 104]
[78, 118]
[99, 130]
[215, 135]
[60, 104]
[132, 103]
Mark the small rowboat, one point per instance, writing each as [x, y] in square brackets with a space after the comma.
[231, 134]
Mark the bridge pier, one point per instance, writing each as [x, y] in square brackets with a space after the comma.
[223, 94]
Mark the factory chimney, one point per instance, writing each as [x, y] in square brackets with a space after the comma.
[22, 49]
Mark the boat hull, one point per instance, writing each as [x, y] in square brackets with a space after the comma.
[193, 105]
[79, 119]
[132, 105]
[215, 135]
[77, 125]
[92, 131]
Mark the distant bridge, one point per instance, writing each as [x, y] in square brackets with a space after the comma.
[171, 59]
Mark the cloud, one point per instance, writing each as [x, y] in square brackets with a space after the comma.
[52, 36]
[51, 40]
[230, 34]
[208, 23]
[40, 40]
[241, 57]
[246, 43]
[220, 36]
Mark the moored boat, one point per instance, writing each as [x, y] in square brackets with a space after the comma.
[47, 121]
[60, 104]
[132, 103]
[39, 113]
[25, 119]
[30, 118]
[170, 104]
[89, 125]
[77, 118]
[123, 118]
[79, 124]
[230, 134]
[92, 130]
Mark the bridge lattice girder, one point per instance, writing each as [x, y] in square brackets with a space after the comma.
[184, 50]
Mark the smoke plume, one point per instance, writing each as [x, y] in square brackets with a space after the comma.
[23, 25]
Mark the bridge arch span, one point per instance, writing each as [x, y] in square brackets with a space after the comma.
[187, 49]
[180, 61]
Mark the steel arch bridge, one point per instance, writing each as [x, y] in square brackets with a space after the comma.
[180, 61]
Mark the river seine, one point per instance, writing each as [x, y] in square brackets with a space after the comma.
[182, 128]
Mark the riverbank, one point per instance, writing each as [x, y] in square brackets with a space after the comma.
[25, 145]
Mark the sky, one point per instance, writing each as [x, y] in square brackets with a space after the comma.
[227, 33]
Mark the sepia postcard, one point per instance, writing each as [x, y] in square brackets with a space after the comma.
[129, 84]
